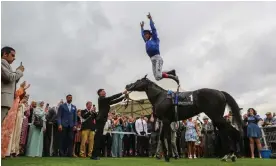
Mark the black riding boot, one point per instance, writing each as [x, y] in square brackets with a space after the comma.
[171, 72]
[175, 78]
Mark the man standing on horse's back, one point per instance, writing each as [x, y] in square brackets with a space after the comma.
[152, 47]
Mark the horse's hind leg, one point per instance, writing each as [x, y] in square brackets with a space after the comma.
[229, 138]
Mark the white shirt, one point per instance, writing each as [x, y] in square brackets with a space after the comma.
[140, 127]
[69, 106]
[107, 126]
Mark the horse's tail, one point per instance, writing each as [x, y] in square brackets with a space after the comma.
[235, 110]
[237, 117]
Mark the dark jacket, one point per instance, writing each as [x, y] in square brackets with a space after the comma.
[31, 115]
[104, 105]
[51, 116]
[130, 127]
[88, 119]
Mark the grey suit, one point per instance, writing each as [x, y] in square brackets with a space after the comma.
[8, 85]
[174, 128]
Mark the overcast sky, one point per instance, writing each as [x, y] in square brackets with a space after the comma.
[79, 47]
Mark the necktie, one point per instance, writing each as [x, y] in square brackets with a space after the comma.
[143, 125]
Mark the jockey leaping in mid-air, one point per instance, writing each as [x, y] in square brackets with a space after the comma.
[152, 47]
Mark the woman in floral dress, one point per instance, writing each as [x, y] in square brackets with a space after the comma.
[14, 149]
[8, 124]
[191, 135]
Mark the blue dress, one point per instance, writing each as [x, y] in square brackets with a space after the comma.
[253, 130]
[190, 134]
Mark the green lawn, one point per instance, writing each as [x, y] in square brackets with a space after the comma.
[45, 161]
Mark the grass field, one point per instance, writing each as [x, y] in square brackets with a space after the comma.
[45, 161]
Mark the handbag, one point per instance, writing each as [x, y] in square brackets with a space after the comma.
[38, 122]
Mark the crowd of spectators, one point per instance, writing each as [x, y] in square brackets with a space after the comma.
[123, 136]
[34, 129]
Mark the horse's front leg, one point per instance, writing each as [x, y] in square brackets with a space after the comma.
[163, 141]
[167, 140]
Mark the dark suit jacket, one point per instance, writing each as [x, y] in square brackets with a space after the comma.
[130, 126]
[104, 105]
[51, 116]
[89, 118]
[65, 117]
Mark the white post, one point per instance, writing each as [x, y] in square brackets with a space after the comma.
[264, 138]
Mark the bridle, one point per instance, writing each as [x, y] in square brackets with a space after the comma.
[127, 96]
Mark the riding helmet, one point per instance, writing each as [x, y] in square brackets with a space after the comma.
[147, 31]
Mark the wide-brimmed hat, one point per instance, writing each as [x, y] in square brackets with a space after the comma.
[268, 113]
[205, 117]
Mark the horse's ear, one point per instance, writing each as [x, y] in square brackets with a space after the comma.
[146, 76]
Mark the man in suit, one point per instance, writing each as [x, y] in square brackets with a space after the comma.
[88, 129]
[67, 122]
[8, 79]
[174, 127]
[104, 107]
[142, 130]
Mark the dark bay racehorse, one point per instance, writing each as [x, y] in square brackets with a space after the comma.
[211, 102]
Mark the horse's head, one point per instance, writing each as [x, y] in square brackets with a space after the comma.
[139, 85]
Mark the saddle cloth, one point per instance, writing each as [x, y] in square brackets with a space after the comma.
[184, 98]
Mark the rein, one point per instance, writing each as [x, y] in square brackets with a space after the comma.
[127, 97]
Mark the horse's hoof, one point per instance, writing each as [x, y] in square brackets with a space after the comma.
[233, 158]
[224, 160]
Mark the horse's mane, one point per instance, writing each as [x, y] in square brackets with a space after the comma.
[157, 86]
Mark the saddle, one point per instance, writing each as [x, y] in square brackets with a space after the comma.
[181, 98]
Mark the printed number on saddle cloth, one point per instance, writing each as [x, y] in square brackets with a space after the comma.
[185, 98]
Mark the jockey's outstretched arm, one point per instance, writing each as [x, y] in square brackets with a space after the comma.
[142, 33]
[153, 29]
